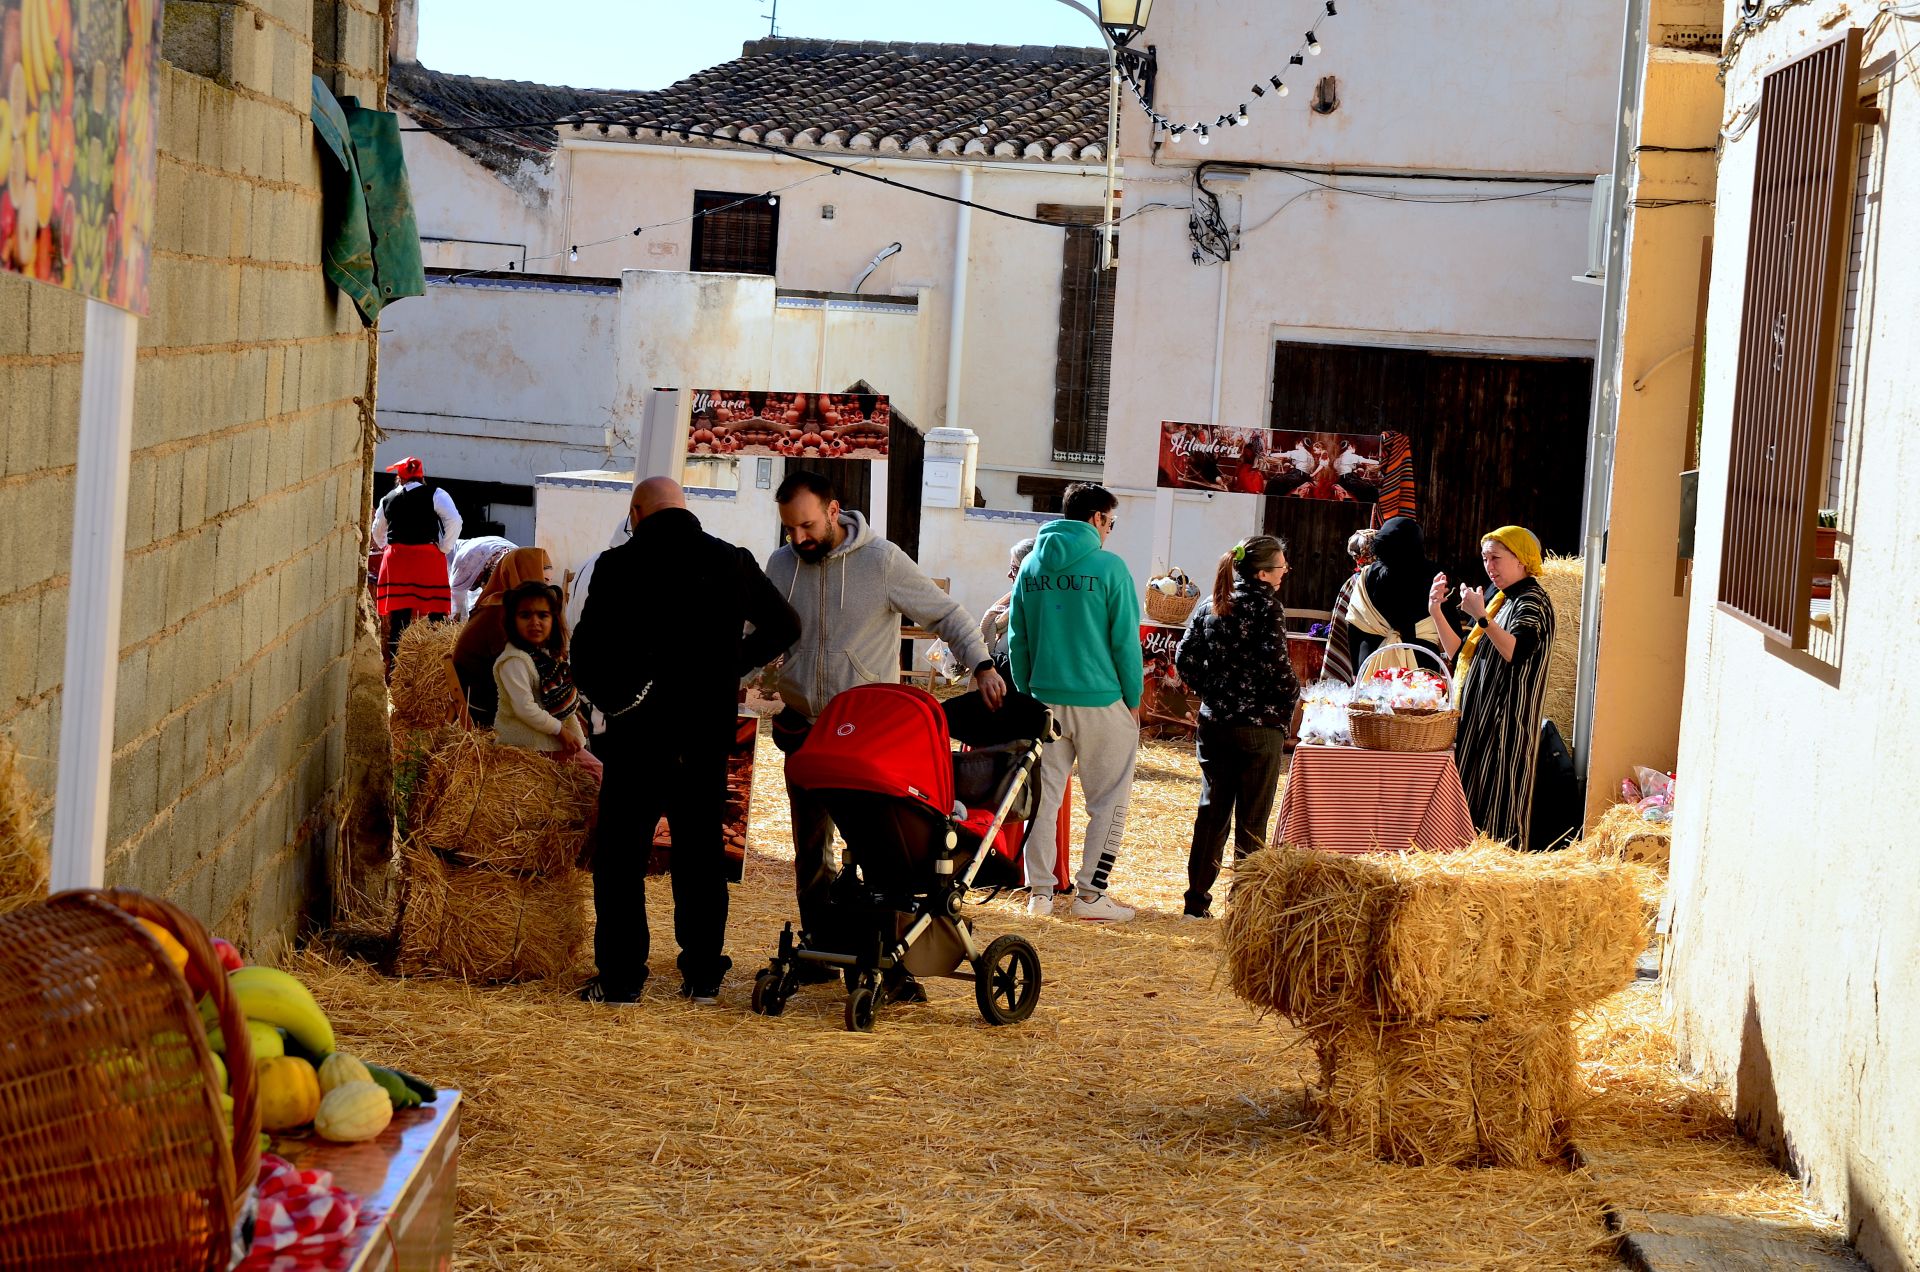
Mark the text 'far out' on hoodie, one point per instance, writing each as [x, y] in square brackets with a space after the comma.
[1073, 632]
[850, 606]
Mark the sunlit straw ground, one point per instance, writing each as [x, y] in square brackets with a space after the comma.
[1142, 1118]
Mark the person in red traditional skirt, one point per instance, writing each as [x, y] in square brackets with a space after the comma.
[416, 526]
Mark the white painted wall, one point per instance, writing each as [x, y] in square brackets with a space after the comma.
[496, 380]
[1466, 90]
[456, 202]
[1795, 911]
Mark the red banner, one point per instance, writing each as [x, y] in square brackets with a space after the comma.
[814, 425]
[1265, 461]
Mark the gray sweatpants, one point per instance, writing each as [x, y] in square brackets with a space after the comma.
[1104, 740]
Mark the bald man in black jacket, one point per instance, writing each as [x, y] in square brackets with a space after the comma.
[674, 618]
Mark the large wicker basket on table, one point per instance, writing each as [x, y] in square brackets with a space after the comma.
[1174, 611]
[113, 1148]
[1403, 730]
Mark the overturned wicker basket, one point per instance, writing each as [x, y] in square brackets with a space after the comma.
[115, 1152]
[1403, 730]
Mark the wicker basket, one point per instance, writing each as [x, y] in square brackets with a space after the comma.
[116, 1153]
[1403, 730]
[1174, 611]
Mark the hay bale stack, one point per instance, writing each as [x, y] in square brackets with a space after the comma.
[23, 846]
[1563, 577]
[1449, 1092]
[422, 696]
[502, 808]
[1622, 834]
[484, 925]
[1489, 931]
[1437, 988]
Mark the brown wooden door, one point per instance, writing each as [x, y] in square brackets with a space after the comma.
[1497, 440]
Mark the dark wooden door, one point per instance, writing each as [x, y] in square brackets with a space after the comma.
[906, 454]
[1497, 440]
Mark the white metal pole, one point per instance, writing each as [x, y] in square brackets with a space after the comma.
[1113, 139]
[93, 598]
[957, 300]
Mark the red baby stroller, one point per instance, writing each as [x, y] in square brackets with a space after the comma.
[881, 756]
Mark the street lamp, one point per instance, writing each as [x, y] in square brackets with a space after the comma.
[1119, 22]
[1124, 19]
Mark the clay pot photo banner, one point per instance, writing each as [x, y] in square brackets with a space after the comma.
[796, 425]
[1343, 467]
[79, 97]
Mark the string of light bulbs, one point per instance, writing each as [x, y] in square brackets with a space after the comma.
[1239, 117]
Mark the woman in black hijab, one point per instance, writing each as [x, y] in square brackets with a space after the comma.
[1389, 604]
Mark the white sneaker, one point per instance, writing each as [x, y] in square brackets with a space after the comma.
[1040, 905]
[1101, 908]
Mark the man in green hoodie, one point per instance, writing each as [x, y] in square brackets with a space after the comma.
[1073, 636]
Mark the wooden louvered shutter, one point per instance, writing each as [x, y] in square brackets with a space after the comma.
[1083, 362]
[734, 233]
[1799, 234]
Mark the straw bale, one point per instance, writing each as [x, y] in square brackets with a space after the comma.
[422, 697]
[1622, 834]
[482, 925]
[1298, 932]
[1489, 930]
[1451, 1092]
[23, 845]
[1563, 577]
[1420, 936]
[503, 808]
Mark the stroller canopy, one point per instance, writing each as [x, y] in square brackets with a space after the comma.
[883, 739]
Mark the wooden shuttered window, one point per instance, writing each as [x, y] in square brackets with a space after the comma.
[1083, 363]
[734, 233]
[1790, 324]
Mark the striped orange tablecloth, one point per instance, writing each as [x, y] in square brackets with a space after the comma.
[1344, 799]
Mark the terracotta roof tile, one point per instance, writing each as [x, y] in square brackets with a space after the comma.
[439, 100]
[1041, 103]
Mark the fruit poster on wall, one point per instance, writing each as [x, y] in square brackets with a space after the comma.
[79, 97]
[733, 831]
[814, 425]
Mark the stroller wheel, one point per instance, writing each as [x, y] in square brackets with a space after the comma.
[1006, 981]
[767, 999]
[860, 1009]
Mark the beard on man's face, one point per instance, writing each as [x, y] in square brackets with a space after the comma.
[812, 551]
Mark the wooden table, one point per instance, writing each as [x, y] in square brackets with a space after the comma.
[405, 1181]
[1345, 799]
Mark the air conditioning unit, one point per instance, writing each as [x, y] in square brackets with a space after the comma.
[1599, 222]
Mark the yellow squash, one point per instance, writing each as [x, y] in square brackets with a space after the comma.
[287, 1091]
[353, 1111]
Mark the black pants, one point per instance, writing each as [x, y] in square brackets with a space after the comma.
[656, 771]
[813, 872]
[1239, 771]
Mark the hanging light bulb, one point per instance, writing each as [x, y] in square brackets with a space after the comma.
[1241, 118]
[573, 253]
[1331, 11]
[1259, 91]
[1313, 44]
[773, 200]
[1203, 134]
[1284, 90]
[1173, 134]
[1279, 86]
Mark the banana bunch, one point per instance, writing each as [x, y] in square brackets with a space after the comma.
[41, 23]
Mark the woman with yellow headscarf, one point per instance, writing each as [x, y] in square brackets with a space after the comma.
[1500, 680]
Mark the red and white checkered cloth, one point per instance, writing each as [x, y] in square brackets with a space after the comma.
[301, 1217]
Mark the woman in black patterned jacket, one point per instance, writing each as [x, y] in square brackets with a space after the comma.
[1234, 656]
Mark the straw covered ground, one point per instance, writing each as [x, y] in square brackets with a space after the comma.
[1143, 1118]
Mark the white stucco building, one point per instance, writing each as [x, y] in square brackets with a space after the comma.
[1391, 245]
[562, 259]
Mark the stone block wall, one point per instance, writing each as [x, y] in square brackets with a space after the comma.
[244, 519]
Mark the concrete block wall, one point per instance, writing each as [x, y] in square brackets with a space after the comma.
[244, 502]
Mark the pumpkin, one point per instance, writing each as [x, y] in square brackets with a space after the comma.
[353, 1111]
[287, 1091]
[339, 1069]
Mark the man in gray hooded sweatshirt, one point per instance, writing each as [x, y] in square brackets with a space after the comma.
[850, 587]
